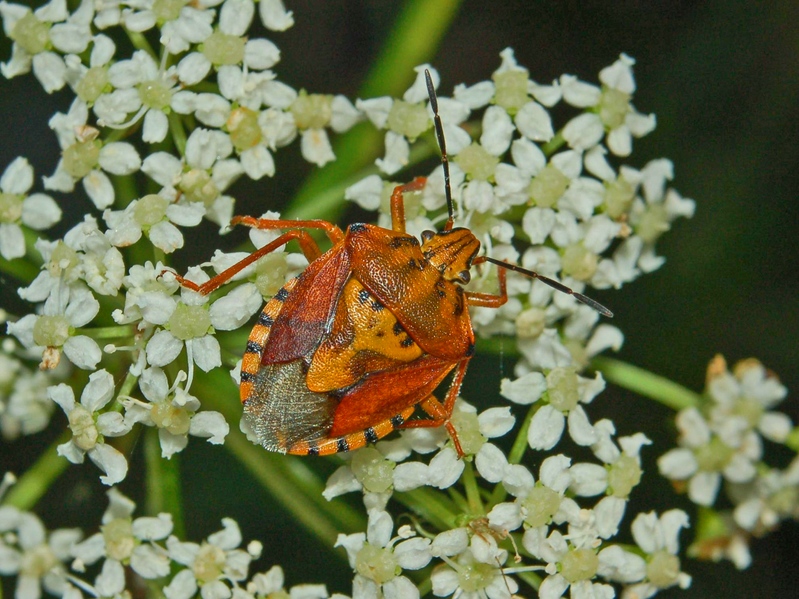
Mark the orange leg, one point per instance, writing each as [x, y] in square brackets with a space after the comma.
[398, 203]
[489, 300]
[440, 412]
[332, 231]
[307, 244]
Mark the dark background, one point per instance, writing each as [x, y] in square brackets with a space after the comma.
[721, 78]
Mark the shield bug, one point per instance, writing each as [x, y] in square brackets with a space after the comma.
[355, 346]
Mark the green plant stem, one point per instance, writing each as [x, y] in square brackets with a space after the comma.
[413, 40]
[648, 384]
[472, 490]
[293, 484]
[431, 505]
[37, 479]
[163, 482]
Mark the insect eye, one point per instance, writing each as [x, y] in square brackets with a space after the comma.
[464, 276]
[427, 235]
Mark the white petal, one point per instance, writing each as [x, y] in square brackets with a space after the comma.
[82, 351]
[166, 237]
[17, 179]
[495, 422]
[491, 463]
[260, 54]
[50, 69]
[525, 390]
[99, 189]
[193, 68]
[397, 153]
[534, 122]
[211, 425]
[235, 16]
[111, 579]
[445, 468]
[498, 131]
[40, 211]
[580, 429]
[110, 461]
[274, 15]
[584, 131]
[316, 147]
[206, 352]
[119, 158]
[588, 479]
[410, 475]
[148, 562]
[156, 126]
[258, 162]
[182, 586]
[163, 348]
[236, 308]
[12, 241]
[704, 487]
[153, 528]
[546, 428]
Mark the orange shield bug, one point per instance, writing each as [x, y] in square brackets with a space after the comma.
[355, 346]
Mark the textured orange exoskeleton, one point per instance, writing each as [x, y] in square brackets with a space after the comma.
[355, 346]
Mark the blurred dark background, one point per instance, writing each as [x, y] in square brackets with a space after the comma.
[723, 80]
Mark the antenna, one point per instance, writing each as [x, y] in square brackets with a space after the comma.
[431, 92]
[442, 143]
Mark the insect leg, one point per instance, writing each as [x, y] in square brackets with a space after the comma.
[440, 412]
[489, 300]
[308, 245]
[398, 202]
[331, 230]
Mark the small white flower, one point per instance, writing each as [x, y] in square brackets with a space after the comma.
[36, 557]
[123, 540]
[208, 564]
[658, 538]
[35, 33]
[89, 426]
[37, 211]
[174, 412]
[612, 111]
[24, 406]
[378, 558]
[85, 158]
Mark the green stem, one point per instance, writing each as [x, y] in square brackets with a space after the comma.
[414, 40]
[163, 482]
[37, 479]
[293, 484]
[648, 384]
[295, 493]
[472, 490]
[431, 505]
[112, 332]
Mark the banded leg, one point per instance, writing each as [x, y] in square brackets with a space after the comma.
[398, 202]
[439, 412]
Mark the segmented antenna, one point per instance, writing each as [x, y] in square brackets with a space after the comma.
[431, 92]
[442, 143]
[554, 284]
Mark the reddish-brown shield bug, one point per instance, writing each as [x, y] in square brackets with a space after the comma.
[355, 346]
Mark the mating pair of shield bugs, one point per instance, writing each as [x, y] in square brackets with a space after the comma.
[355, 346]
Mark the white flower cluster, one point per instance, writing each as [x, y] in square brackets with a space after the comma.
[554, 198]
[723, 441]
[561, 536]
[65, 564]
